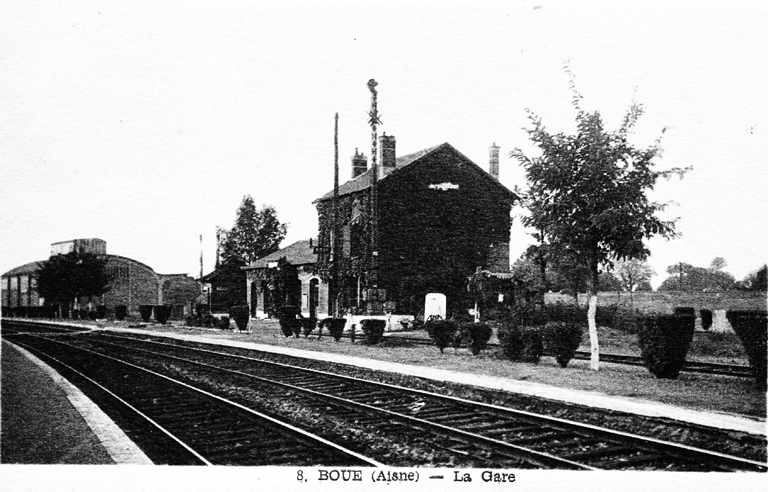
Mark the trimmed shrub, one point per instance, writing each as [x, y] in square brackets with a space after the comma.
[441, 331]
[241, 316]
[209, 321]
[373, 330]
[290, 323]
[533, 347]
[162, 313]
[92, 315]
[752, 328]
[308, 325]
[521, 343]
[192, 321]
[706, 318]
[120, 311]
[475, 335]
[335, 327]
[146, 312]
[101, 312]
[562, 339]
[664, 342]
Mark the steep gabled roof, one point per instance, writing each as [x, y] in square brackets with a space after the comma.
[363, 181]
[298, 253]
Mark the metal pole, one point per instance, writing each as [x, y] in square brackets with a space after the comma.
[336, 256]
[373, 121]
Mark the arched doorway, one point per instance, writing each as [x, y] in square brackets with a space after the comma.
[314, 297]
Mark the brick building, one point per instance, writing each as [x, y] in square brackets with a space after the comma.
[438, 217]
[133, 283]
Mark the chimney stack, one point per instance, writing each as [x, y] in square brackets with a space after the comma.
[494, 160]
[359, 164]
[388, 156]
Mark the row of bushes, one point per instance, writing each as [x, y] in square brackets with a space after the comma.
[449, 332]
[162, 312]
[292, 323]
[239, 314]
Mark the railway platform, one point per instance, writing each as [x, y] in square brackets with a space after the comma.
[46, 420]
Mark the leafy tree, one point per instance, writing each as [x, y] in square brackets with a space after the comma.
[644, 286]
[65, 279]
[588, 194]
[255, 234]
[632, 273]
[688, 278]
[718, 263]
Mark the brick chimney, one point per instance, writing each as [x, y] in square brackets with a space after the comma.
[388, 156]
[494, 160]
[359, 164]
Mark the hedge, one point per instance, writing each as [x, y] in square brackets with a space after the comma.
[120, 311]
[751, 328]
[562, 339]
[664, 342]
[373, 330]
[241, 316]
[223, 323]
[441, 331]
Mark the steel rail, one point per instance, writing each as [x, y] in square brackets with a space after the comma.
[682, 451]
[287, 428]
[537, 457]
[118, 398]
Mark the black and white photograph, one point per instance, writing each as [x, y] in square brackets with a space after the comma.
[420, 246]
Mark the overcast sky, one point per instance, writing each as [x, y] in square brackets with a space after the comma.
[145, 123]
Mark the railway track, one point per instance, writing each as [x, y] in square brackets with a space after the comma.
[177, 423]
[500, 436]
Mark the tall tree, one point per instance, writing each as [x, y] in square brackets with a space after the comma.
[65, 279]
[588, 193]
[256, 233]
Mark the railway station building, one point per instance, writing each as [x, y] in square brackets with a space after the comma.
[133, 283]
[437, 217]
